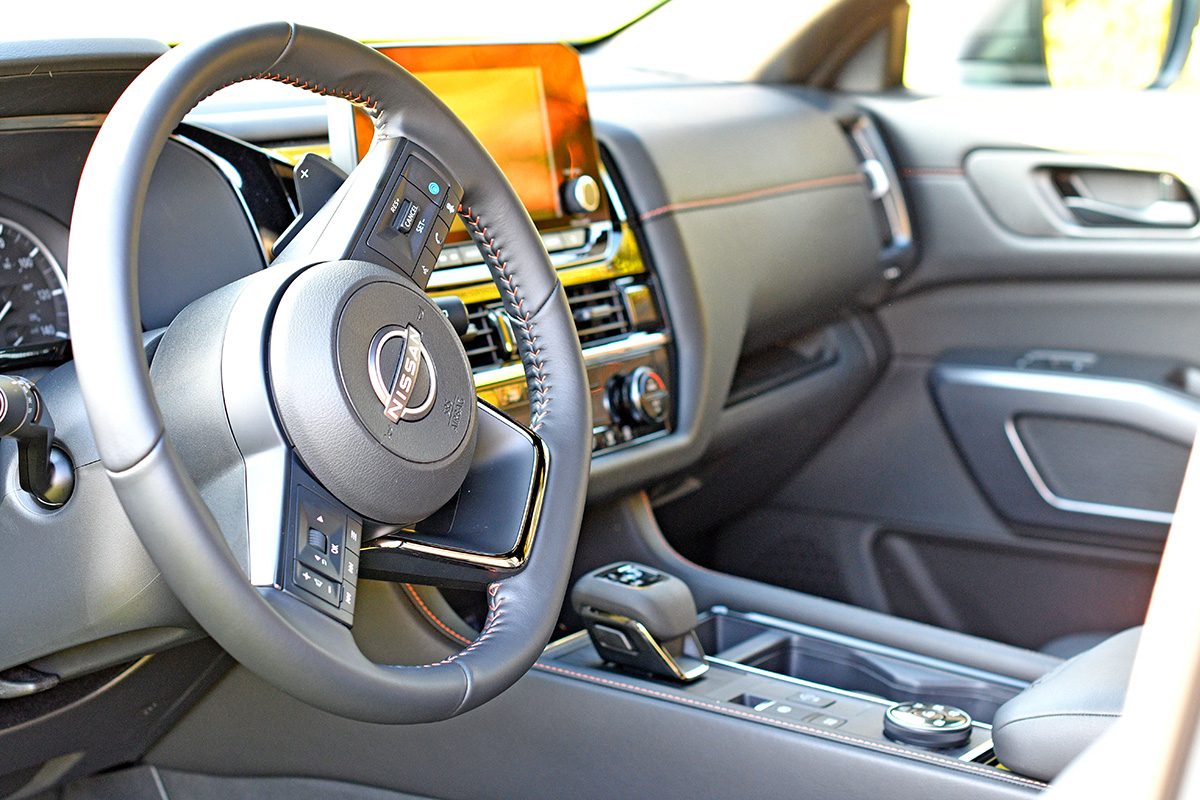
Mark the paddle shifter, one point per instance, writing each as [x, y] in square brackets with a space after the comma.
[641, 618]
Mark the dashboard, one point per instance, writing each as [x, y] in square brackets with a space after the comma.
[707, 283]
[697, 273]
[527, 103]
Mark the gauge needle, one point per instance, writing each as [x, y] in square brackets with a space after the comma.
[4, 311]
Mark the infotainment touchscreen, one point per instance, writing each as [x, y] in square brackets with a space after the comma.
[528, 106]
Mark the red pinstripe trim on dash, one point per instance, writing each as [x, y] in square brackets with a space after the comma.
[757, 194]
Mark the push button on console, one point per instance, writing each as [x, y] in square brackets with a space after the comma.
[813, 699]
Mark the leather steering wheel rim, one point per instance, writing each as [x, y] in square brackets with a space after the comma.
[299, 650]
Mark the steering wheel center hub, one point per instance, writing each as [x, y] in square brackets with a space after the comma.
[404, 372]
[373, 389]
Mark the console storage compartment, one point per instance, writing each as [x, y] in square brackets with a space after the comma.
[839, 662]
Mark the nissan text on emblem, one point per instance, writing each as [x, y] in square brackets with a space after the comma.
[395, 391]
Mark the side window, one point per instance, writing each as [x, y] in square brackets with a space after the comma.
[1095, 44]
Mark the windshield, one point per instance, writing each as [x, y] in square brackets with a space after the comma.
[465, 20]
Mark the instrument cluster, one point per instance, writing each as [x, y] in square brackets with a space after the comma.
[33, 290]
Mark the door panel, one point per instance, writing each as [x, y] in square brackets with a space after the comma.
[1044, 223]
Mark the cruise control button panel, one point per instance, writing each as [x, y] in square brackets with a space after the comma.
[412, 221]
[323, 539]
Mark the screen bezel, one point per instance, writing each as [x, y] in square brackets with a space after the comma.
[575, 151]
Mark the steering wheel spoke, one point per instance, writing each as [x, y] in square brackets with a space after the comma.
[485, 532]
[395, 209]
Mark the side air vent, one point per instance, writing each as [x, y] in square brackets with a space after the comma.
[601, 311]
[896, 253]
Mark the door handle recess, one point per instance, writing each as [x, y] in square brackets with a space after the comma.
[1159, 214]
[1125, 198]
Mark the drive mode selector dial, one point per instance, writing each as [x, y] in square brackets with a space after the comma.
[927, 724]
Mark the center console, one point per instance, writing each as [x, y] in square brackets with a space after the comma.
[527, 104]
[780, 673]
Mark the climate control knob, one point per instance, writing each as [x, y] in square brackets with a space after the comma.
[641, 397]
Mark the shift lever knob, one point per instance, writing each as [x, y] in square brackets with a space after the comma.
[642, 618]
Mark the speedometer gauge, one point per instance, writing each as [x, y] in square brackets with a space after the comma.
[33, 298]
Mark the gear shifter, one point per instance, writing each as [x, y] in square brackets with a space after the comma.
[641, 618]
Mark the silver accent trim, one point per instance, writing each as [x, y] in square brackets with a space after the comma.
[48, 121]
[255, 429]
[1076, 506]
[570, 643]
[1180, 414]
[445, 278]
[343, 140]
[977, 751]
[515, 558]
[889, 196]
[683, 668]
[872, 647]
[874, 699]
[635, 344]
[766, 673]
[1173, 415]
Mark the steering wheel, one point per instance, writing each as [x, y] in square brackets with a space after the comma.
[322, 411]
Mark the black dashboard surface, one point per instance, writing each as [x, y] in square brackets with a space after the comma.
[754, 223]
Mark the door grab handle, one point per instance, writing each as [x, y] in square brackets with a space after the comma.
[1159, 214]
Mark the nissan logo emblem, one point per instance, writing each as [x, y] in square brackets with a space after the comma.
[396, 390]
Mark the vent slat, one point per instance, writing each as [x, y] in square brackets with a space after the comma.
[599, 311]
[597, 307]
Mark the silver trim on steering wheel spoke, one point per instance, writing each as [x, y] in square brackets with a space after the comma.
[491, 565]
[255, 429]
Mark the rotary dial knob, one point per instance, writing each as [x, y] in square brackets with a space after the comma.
[641, 397]
[927, 724]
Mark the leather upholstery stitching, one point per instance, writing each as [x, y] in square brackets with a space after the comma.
[494, 614]
[427, 612]
[354, 97]
[358, 98]
[534, 362]
[822, 732]
[757, 194]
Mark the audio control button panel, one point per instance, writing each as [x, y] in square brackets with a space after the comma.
[321, 539]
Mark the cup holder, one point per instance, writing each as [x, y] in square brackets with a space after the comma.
[878, 671]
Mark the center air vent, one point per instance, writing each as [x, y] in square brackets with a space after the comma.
[599, 311]
[484, 342]
[599, 308]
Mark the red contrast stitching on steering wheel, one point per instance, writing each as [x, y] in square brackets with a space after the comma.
[531, 356]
